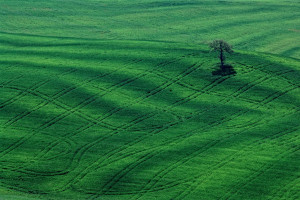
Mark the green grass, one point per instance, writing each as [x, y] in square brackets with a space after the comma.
[266, 25]
[99, 102]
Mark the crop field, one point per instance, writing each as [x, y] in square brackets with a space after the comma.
[116, 100]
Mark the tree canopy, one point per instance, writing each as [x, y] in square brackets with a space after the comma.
[221, 46]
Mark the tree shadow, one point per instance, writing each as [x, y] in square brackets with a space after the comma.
[226, 70]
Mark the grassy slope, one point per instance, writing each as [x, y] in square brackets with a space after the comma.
[86, 118]
[269, 26]
[130, 119]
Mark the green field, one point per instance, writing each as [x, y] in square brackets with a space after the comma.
[116, 100]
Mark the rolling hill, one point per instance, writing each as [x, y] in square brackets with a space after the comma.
[256, 25]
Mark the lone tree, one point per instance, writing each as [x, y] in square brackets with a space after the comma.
[222, 47]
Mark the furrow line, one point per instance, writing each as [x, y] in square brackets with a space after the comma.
[228, 159]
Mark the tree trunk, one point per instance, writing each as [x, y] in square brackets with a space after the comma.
[222, 58]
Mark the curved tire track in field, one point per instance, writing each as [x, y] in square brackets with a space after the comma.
[57, 118]
[267, 101]
[267, 72]
[196, 183]
[90, 126]
[154, 189]
[34, 87]
[120, 84]
[281, 193]
[238, 115]
[56, 96]
[153, 92]
[257, 174]
[206, 88]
